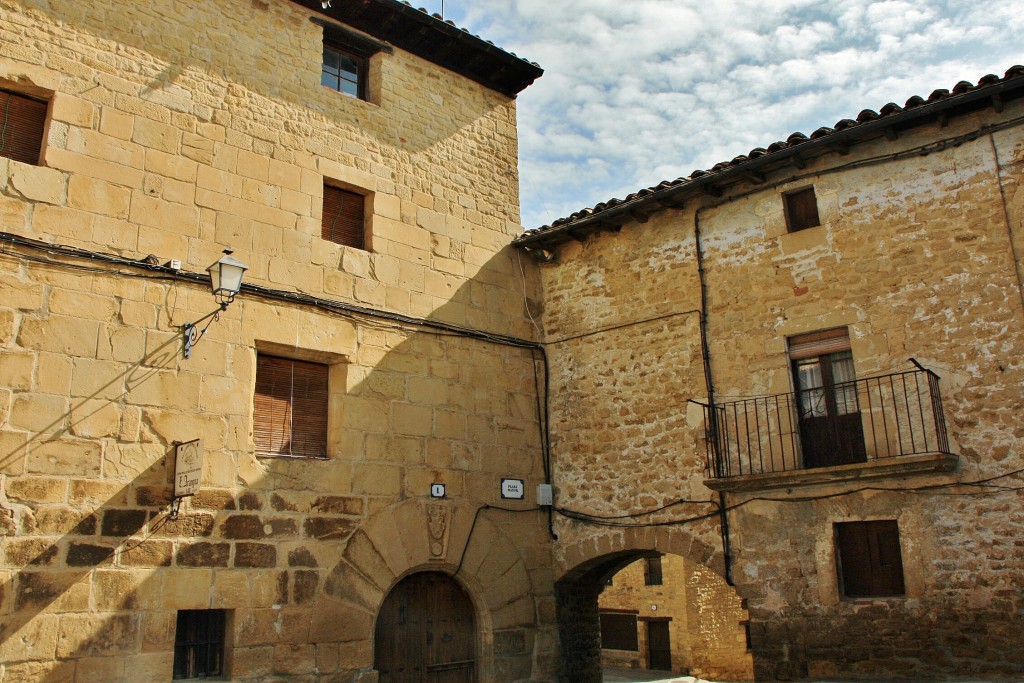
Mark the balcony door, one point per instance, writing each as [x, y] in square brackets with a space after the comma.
[831, 432]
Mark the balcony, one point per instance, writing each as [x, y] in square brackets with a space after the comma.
[890, 425]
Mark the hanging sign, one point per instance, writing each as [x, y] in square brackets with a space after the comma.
[188, 468]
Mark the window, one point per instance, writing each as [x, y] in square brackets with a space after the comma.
[652, 571]
[344, 217]
[801, 208]
[290, 407]
[870, 563]
[199, 643]
[618, 631]
[344, 71]
[22, 123]
[831, 432]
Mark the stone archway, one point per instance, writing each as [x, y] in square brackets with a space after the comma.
[586, 565]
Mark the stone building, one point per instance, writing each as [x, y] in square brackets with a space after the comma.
[360, 402]
[671, 614]
[801, 370]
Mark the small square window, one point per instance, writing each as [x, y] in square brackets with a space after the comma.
[344, 71]
[870, 562]
[22, 124]
[801, 208]
[344, 217]
[290, 407]
[199, 643]
[652, 571]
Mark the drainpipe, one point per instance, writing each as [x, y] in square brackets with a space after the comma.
[705, 350]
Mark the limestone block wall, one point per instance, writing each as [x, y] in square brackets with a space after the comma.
[707, 628]
[179, 129]
[917, 257]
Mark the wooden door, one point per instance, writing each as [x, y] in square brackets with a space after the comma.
[426, 632]
[830, 424]
[659, 646]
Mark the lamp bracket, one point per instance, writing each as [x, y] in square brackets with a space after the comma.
[190, 332]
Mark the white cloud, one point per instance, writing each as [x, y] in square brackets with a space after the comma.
[641, 91]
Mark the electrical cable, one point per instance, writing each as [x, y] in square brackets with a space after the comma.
[472, 527]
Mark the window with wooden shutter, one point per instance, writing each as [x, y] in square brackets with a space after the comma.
[344, 220]
[801, 208]
[618, 631]
[652, 571]
[870, 561]
[290, 407]
[22, 122]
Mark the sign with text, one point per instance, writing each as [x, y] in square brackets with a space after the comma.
[188, 468]
[513, 488]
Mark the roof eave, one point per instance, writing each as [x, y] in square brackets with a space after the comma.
[711, 183]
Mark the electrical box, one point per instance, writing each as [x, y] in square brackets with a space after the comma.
[545, 495]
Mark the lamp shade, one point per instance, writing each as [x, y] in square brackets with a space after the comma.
[226, 276]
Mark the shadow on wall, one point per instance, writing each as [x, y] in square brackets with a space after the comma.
[256, 64]
[301, 551]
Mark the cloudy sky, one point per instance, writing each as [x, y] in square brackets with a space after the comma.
[639, 91]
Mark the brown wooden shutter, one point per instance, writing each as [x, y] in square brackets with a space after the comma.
[815, 344]
[343, 219]
[22, 122]
[801, 209]
[290, 407]
[869, 557]
[618, 631]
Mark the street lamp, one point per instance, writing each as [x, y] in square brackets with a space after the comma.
[225, 281]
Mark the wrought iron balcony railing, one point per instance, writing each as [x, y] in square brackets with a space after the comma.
[852, 422]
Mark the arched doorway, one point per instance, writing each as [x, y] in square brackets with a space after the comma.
[426, 632]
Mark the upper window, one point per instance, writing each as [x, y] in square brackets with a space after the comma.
[831, 432]
[870, 562]
[344, 217]
[801, 208]
[199, 643]
[22, 123]
[652, 571]
[344, 71]
[290, 407]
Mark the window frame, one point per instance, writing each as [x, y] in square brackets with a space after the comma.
[332, 233]
[859, 577]
[32, 153]
[801, 216]
[319, 431]
[362, 64]
[217, 625]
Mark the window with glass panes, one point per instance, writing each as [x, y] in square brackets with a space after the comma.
[344, 71]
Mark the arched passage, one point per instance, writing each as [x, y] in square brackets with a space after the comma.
[587, 567]
[426, 631]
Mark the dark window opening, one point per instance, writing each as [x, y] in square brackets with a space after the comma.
[22, 124]
[290, 407]
[199, 643]
[801, 208]
[344, 71]
[344, 217]
[652, 571]
[869, 557]
[618, 631]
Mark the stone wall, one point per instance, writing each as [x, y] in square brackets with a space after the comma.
[178, 129]
[914, 258]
